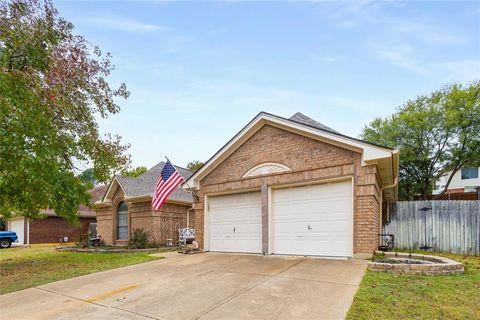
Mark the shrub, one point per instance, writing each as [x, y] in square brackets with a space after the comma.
[82, 240]
[140, 239]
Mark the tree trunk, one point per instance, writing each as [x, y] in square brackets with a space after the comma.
[445, 188]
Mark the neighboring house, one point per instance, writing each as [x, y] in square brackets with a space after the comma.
[294, 187]
[464, 180]
[126, 206]
[53, 228]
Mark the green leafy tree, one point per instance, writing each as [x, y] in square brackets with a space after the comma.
[53, 84]
[436, 134]
[88, 177]
[134, 172]
[195, 165]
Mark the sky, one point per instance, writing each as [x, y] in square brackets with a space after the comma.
[199, 71]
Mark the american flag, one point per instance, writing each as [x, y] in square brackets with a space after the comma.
[168, 181]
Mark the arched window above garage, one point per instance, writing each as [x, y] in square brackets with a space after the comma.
[266, 168]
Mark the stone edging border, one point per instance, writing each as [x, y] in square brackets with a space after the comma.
[114, 250]
[439, 265]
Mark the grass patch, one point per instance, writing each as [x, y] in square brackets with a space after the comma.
[393, 296]
[22, 268]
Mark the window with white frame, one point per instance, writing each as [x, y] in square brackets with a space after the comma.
[122, 221]
[469, 173]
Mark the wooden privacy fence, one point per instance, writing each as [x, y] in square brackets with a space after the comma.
[445, 225]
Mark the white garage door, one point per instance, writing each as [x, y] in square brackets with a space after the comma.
[18, 227]
[236, 223]
[314, 220]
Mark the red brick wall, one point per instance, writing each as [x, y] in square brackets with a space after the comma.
[191, 219]
[106, 224]
[310, 160]
[161, 225]
[299, 153]
[367, 206]
[51, 229]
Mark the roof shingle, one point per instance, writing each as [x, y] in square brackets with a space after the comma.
[303, 119]
[144, 184]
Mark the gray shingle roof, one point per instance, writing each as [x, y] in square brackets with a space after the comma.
[303, 119]
[144, 184]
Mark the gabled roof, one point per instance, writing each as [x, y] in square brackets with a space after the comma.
[143, 186]
[303, 119]
[386, 158]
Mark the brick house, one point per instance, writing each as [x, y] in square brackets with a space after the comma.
[53, 228]
[296, 187]
[126, 206]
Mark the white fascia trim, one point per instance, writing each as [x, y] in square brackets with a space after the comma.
[100, 204]
[369, 152]
[106, 198]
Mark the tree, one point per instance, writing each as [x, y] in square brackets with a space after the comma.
[436, 134]
[134, 172]
[53, 84]
[195, 165]
[88, 178]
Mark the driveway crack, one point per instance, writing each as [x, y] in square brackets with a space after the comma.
[98, 304]
[320, 281]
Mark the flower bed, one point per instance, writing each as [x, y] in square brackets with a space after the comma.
[411, 263]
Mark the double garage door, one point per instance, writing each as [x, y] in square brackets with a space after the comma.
[307, 220]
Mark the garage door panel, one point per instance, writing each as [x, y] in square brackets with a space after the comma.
[220, 229]
[314, 220]
[236, 223]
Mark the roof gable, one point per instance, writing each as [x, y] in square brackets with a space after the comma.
[371, 153]
[143, 186]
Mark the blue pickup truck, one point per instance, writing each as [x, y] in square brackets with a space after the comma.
[6, 239]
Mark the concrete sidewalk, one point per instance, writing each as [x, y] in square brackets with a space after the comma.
[201, 286]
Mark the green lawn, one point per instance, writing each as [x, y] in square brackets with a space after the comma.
[390, 296]
[22, 268]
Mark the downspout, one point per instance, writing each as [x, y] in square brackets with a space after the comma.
[393, 185]
[395, 179]
[380, 225]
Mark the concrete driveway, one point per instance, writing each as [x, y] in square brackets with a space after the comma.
[202, 286]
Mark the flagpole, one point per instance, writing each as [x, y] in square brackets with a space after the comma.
[184, 181]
